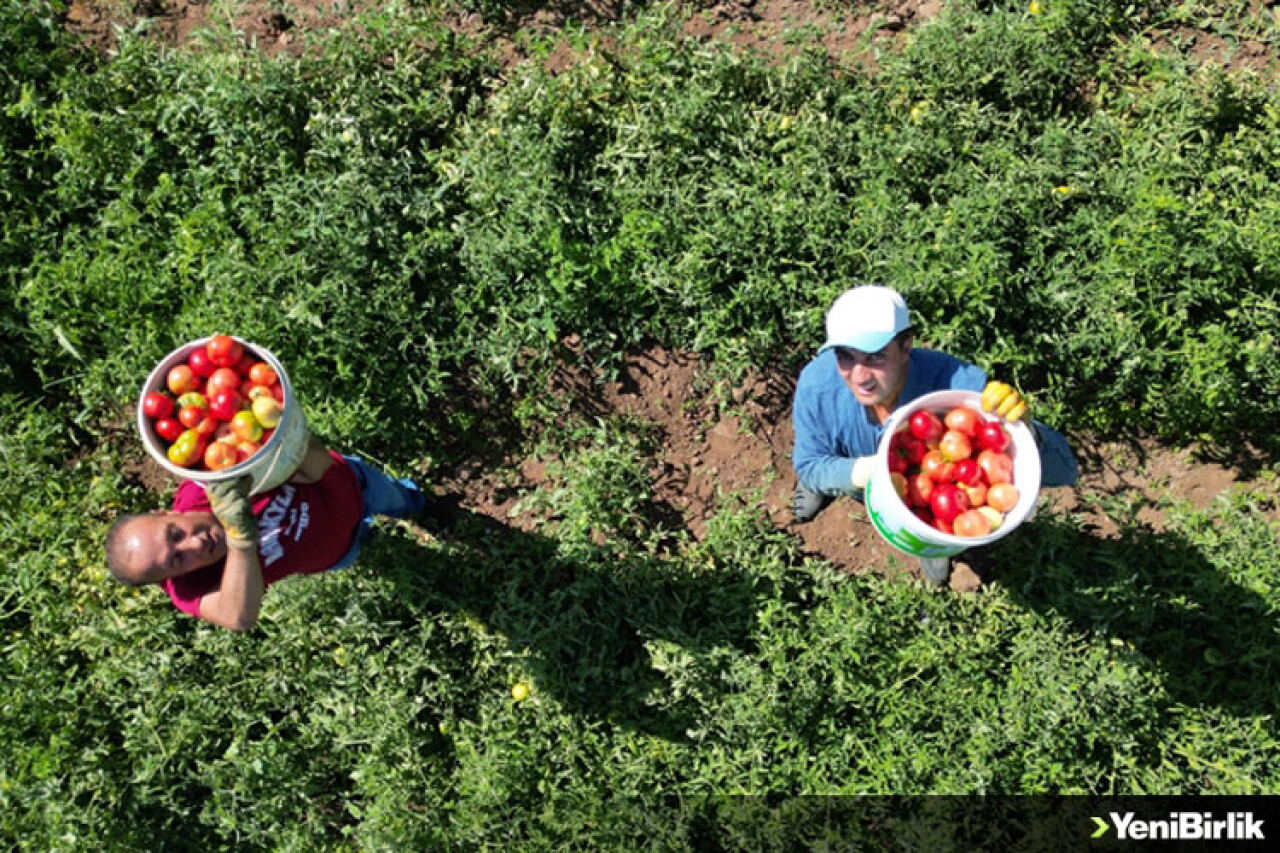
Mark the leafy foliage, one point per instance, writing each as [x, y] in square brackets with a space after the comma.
[415, 235]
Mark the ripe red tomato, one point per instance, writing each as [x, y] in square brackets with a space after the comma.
[925, 426]
[968, 472]
[1002, 497]
[169, 429]
[897, 462]
[219, 455]
[223, 379]
[919, 490]
[225, 404]
[200, 364]
[245, 363]
[191, 416]
[998, 467]
[991, 436]
[915, 449]
[938, 469]
[955, 446]
[157, 405]
[947, 502]
[971, 524]
[181, 379]
[964, 420]
[224, 350]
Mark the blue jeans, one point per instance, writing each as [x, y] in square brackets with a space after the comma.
[381, 496]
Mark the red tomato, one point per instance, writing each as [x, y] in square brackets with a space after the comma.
[169, 429]
[191, 416]
[897, 462]
[915, 449]
[200, 364]
[157, 405]
[182, 379]
[245, 363]
[991, 436]
[225, 404]
[964, 420]
[944, 526]
[219, 455]
[938, 469]
[971, 524]
[924, 515]
[224, 350]
[925, 426]
[998, 467]
[968, 472]
[223, 379]
[919, 490]
[955, 446]
[1002, 497]
[247, 448]
[947, 502]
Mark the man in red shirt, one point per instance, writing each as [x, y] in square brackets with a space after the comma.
[218, 549]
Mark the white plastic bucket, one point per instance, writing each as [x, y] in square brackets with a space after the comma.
[274, 463]
[901, 528]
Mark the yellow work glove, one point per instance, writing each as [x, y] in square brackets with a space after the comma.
[229, 500]
[1004, 400]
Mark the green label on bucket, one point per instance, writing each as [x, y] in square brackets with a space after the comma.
[902, 539]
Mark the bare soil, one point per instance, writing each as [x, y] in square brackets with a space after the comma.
[713, 453]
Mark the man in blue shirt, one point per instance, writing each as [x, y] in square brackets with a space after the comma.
[866, 369]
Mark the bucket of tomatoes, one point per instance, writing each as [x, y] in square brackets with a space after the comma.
[220, 407]
[949, 476]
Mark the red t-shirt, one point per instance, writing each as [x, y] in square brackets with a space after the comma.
[302, 529]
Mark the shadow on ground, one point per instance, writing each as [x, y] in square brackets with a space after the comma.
[585, 621]
[1212, 641]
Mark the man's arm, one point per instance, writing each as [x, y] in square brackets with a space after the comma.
[315, 462]
[238, 599]
[235, 604]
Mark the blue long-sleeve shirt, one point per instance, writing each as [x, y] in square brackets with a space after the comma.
[832, 429]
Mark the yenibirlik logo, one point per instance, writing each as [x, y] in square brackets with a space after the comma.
[1183, 826]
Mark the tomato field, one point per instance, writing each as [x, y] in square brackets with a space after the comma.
[465, 261]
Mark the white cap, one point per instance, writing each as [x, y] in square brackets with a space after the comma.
[866, 318]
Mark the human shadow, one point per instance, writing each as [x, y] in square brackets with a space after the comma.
[1213, 641]
[586, 622]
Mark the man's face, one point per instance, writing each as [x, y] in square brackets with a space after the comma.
[167, 544]
[875, 378]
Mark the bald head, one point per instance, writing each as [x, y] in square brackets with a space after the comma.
[150, 548]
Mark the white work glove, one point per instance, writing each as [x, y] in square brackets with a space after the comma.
[862, 467]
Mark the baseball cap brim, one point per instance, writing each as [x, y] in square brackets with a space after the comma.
[863, 342]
